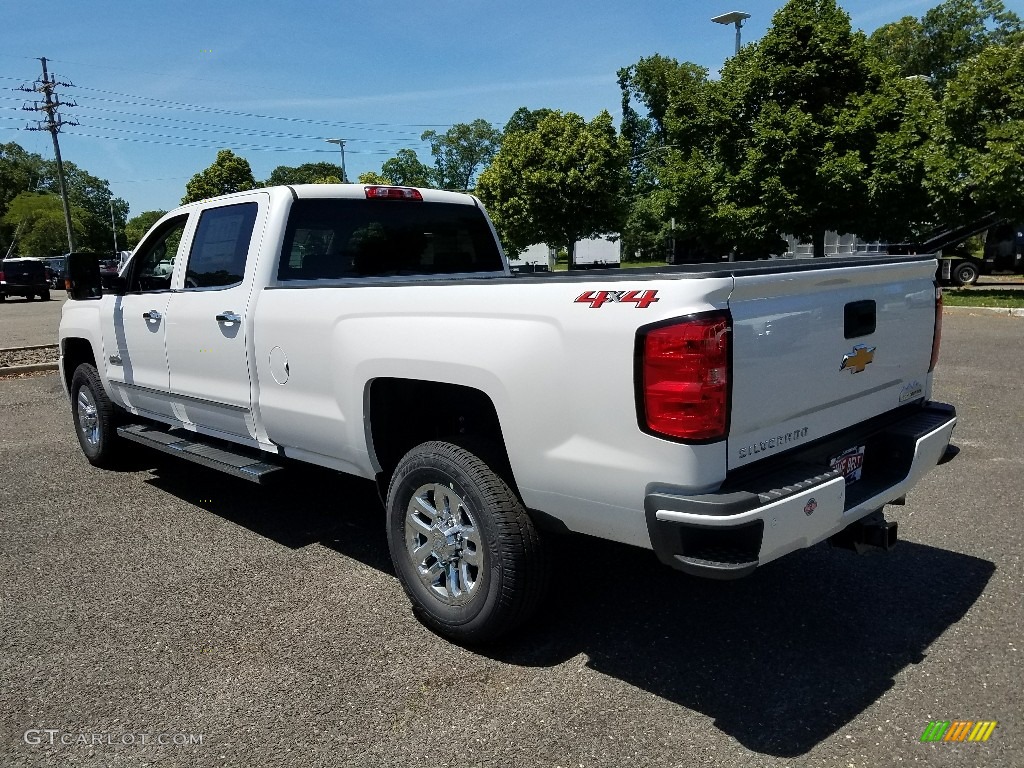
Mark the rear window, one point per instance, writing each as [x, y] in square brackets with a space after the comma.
[339, 239]
[23, 267]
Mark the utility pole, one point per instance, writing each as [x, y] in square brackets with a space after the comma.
[54, 122]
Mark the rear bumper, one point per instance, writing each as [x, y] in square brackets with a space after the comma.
[759, 518]
[9, 289]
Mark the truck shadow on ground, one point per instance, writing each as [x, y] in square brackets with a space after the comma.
[780, 660]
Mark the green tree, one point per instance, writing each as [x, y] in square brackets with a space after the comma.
[307, 173]
[947, 36]
[524, 119]
[557, 183]
[228, 173]
[138, 226]
[902, 45]
[406, 169]
[672, 167]
[38, 219]
[461, 152]
[92, 196]
[370, 177]
[20, 171]
[977, 165]
[795, 138]
[899, 119]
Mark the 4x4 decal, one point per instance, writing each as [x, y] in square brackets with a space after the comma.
[642, 299]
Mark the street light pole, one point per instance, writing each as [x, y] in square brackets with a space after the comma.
[113, 225]
[733, 17]
[341, 145]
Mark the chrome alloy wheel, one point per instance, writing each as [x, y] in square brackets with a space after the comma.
[443, 541]
[88, 420]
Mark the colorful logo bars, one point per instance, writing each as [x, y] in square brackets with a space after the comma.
[958, 730]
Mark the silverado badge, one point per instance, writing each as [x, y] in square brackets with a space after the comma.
[857, 360]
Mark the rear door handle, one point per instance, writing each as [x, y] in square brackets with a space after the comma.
[151, 315]
[228, 317]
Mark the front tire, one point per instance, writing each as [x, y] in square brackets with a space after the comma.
[45, 295]
[464, 548]
[94, 417]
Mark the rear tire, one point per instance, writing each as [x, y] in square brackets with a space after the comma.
[464, 548]
[29, 297]
[966, 273]
[95, 418]
[45, 295]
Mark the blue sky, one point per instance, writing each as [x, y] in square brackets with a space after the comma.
[161, 86]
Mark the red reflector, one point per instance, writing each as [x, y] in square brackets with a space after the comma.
[685, 378]
[392, 193]
[937, 333]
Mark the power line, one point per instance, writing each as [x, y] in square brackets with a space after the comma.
[231, 145]
[186, 125]
[134, 71]
[217, 145]
[185, 106]
[230, 130]
[198, 107]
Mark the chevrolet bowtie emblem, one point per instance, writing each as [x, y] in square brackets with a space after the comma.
[858, 359]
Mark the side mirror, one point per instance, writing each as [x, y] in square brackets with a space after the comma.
[82, 278]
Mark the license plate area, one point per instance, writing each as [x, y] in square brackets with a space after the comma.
[850, 463]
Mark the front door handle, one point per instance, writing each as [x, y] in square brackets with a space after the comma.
[151, 315]
[228, 317]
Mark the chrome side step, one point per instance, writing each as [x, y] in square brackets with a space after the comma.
[192, 448]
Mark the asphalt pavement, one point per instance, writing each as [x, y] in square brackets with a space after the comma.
[264, 627]
[26, 323]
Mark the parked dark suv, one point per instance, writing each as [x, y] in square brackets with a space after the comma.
[24, 277]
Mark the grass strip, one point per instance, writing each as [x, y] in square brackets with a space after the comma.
[983, 297]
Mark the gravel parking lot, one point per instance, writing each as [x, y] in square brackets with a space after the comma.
[167, 602]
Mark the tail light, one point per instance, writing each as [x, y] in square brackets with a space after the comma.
[683, 378]
[937, 333]
[2, 278]
[392, 193]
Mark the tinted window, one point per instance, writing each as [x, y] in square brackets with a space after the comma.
[220, 246]
[24, 268]
[332, 239]
[153, 264]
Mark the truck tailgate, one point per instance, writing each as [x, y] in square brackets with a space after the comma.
[818, 350]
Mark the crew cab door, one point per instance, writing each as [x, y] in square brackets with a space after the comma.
[208, 329]
[135, 358]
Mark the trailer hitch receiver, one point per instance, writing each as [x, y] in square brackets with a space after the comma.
[872, 533]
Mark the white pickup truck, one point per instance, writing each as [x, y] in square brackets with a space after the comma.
[720, 414]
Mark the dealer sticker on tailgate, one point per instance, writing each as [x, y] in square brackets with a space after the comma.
[850, 462]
